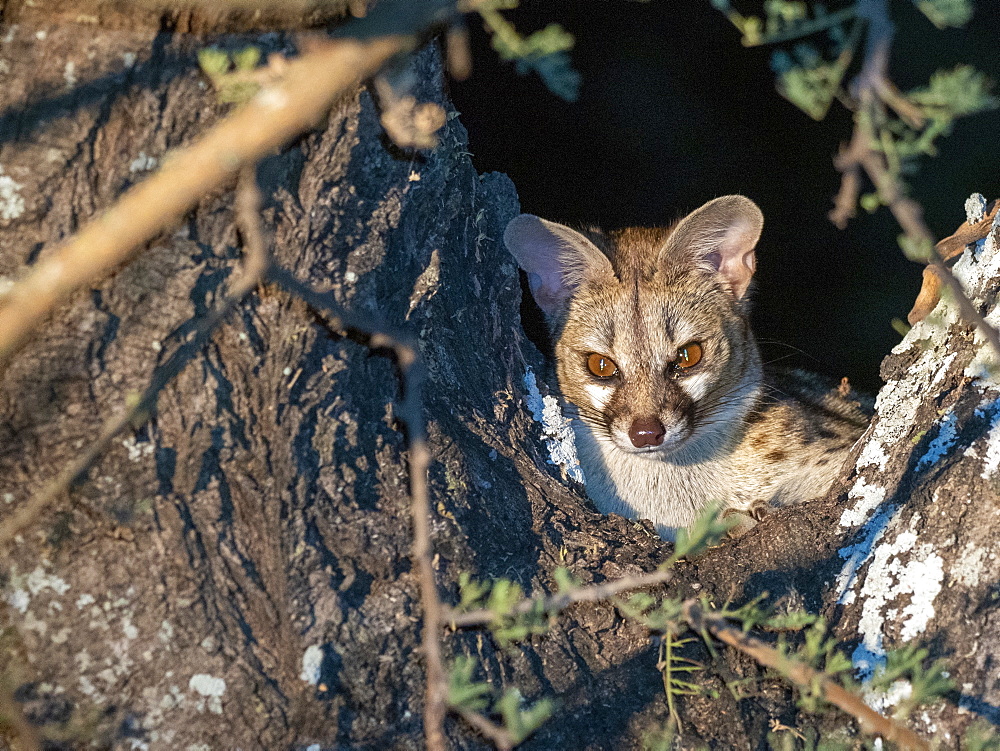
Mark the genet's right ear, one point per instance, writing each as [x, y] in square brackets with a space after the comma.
[556, 258]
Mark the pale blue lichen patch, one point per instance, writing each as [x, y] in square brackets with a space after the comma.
[867, 497]
[556, 429]
[991, 458]
[84, 600]
[968, 566]
[855, 555]
[901, 569]
[975, 208]
[890, 574]
[882, 701]
[142, 163]
[19, 600]
[11, 202]
[211, 688]
[312, 661]
[942, 443]
[22, 587]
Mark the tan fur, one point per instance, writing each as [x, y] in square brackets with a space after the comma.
[732, 433]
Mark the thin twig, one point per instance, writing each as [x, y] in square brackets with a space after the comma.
[13, 715]
[806, 28]
[248, 203]
[805, 676]
[848, 163]
[274, 117]
[411, 413]
[909, 215]
[555, 603]
[497, 734]
[255, 256]
[899, 103]
[437, 687]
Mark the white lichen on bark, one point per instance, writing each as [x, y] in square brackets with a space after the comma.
[893, 572]
[556, 429]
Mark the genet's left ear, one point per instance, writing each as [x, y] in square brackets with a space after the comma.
[721, 237]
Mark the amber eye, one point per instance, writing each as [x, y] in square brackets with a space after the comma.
[601, 366]
[689, 355]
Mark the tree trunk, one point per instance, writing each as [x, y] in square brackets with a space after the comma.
[923, 507]
[236, 571]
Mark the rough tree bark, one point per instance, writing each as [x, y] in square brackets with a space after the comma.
[236, 572]
[182, 594]
[923, 504]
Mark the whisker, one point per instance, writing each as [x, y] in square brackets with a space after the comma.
[779, 343]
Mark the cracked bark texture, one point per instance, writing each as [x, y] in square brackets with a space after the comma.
[254, 533]
[235, 572]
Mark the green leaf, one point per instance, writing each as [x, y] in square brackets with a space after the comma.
[811, 88]
[463, 692]
[236, 92]
[705, 532]
[565, 581]
[945, 13]
[794, 621]
[752, 29]
[247, 58]
[556, 71]
[521, 721]
[870, 202]
[963, 90]
[659, 740]
[981, 736]
[504, 596]
[900, 326]
[544, 51]
[750, 614]
[508, 629]
[916, 250]
[662, 616]
[214, 62]
[471, 592]
[907, 663]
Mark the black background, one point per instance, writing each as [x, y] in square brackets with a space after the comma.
[673, 112]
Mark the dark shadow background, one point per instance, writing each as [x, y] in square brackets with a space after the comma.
[673, 111]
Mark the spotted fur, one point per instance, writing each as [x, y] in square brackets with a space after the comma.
[732, 432]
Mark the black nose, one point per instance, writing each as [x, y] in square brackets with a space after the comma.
[646, 431]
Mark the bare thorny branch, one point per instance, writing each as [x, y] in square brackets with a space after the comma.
[411, 413]
[872, 91]
[704, 621]
[291, 106]
[266, 123]
[562, 600]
